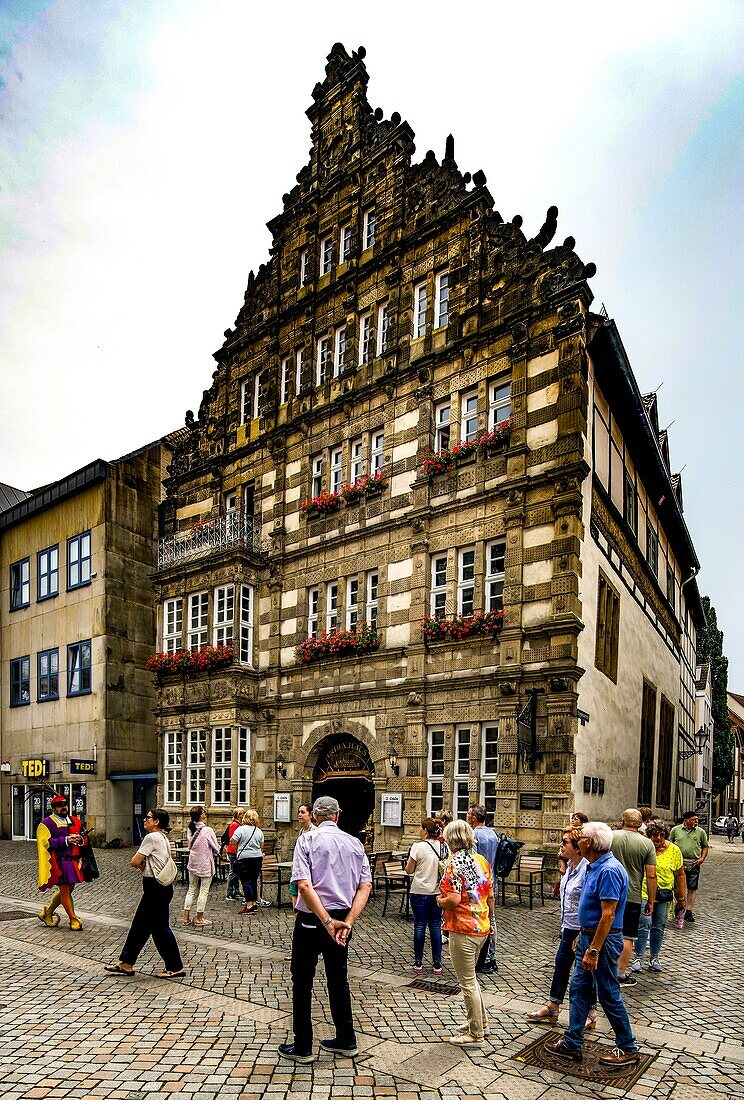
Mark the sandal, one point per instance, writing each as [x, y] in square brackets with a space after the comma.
[115, 968]
[543, 1015]
[171, 974]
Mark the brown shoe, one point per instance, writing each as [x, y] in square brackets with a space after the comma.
[558, 1049]
[619, 1058]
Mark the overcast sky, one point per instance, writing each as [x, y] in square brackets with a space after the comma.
[147, 142]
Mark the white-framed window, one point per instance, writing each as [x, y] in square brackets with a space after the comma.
[224, 614]
[331, 606]
[468, 416]
[196, 766]
[244, 765]
[339, 351]
[231, 501]
[370, 611]
[489, 767]
[357, 459]
[323, 368]
[382, 328]
[463, 742]
[419, 310]
[198, 632]
[441, 299]
[466, 581]
[365, 334]
[221, 765]
[435, 771]
[246, 400]
[313, 611]
[316, 475]
[495, 572]
[369, 228]
[298, 370]
[172, 625]
[377, 452]
[304, 268]
[337, 468]
[257, 397]
[499, 403]
[286, 380]
[245, 649]
[326, 255]
[441, 426]
[352, 603]
[438, 585]
[344, 244]
[172, 749]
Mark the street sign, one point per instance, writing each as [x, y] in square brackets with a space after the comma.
[82, 767]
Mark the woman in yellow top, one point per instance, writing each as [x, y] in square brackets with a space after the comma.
[670, 877]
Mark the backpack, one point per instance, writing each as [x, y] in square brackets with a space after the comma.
[506, 854]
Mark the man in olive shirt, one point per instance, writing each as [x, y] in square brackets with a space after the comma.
[692, 842]
[638, 856]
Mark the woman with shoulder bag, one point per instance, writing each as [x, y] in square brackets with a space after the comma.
[153, 858]
[203, 847]
[248, 841]
[426, 865]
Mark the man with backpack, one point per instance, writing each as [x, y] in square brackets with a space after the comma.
[486, 845]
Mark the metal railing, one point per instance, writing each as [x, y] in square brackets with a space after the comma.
[211, 536]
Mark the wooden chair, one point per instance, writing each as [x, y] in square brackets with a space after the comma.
[395, 881]
[530, 875]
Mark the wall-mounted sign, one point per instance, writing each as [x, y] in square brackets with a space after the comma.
[530, 802]
[391, 810]
[82, 767]
[35, 769]
[282, 808]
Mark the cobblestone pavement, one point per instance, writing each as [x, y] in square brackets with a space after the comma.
[68, 1029]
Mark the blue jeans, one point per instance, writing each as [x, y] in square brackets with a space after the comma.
[426, 914]
[653, 927]
[608, 994]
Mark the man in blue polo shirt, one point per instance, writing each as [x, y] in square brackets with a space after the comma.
[598, 948]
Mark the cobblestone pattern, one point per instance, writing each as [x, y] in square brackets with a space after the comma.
[217, 1031]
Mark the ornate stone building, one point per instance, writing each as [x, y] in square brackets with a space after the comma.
[392, 471]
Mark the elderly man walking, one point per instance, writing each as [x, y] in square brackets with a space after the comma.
[333, 881]
[638, 856]
[598, 948]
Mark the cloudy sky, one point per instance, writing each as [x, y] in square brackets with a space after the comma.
[147, 142]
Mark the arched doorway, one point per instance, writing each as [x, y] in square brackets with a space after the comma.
[344, 770]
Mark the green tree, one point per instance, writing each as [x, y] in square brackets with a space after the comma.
[710, 649]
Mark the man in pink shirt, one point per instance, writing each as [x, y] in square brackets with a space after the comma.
[333, 881]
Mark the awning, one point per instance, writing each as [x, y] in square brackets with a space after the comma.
[125, 777]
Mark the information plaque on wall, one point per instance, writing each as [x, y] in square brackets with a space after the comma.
[530, 801]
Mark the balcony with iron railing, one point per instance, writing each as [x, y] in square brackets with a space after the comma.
[235, 530]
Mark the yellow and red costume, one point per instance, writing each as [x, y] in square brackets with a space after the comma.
[59, 861]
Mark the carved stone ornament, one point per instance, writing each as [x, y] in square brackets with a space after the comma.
[508, 687]
[415, 699]
[505, 764]
[558, 683]
[285, 744]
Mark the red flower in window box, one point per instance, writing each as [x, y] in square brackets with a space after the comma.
[207, 658]
[439, 628]
[367, 485]
[338, 643]
[322, 505]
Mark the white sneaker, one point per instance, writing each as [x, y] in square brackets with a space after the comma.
[655, 965]
[636, 966]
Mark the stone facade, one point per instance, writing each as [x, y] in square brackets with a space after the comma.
[398, 428]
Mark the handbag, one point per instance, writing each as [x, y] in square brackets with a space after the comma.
[88, 864]
[244, 859]
[166, 876]
[441, 860]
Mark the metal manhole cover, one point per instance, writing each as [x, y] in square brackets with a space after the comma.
[434, 987]
[590, 1069]
[15, 914]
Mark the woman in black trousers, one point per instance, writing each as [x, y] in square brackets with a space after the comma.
[152, 917]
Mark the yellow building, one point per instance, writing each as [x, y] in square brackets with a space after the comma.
[77, 624]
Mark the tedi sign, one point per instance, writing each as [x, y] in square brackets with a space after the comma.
[35, 769]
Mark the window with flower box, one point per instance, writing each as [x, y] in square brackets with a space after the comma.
[377, 452]
[369, 229]
[331, 606]
[468, 416]
[196, 766]
[365, 338]
[339, 351]
[172, 625]
[172, 762]
[344, 249]
[419, 310]
[323, 364]
[370, 611]
[221, 765]
[357, 459]
[438, 585]
[224, 615]
[337, 469]
[198, 632]
[435, 771]
[244, 765]
[495, 574]
[499, 403]
[352, 603]
[316, 475]
[382, 328]
[441, 299]
[466, 581]
[313, 612]
[441, 426]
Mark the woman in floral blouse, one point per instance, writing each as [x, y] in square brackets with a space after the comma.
[466, 896]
